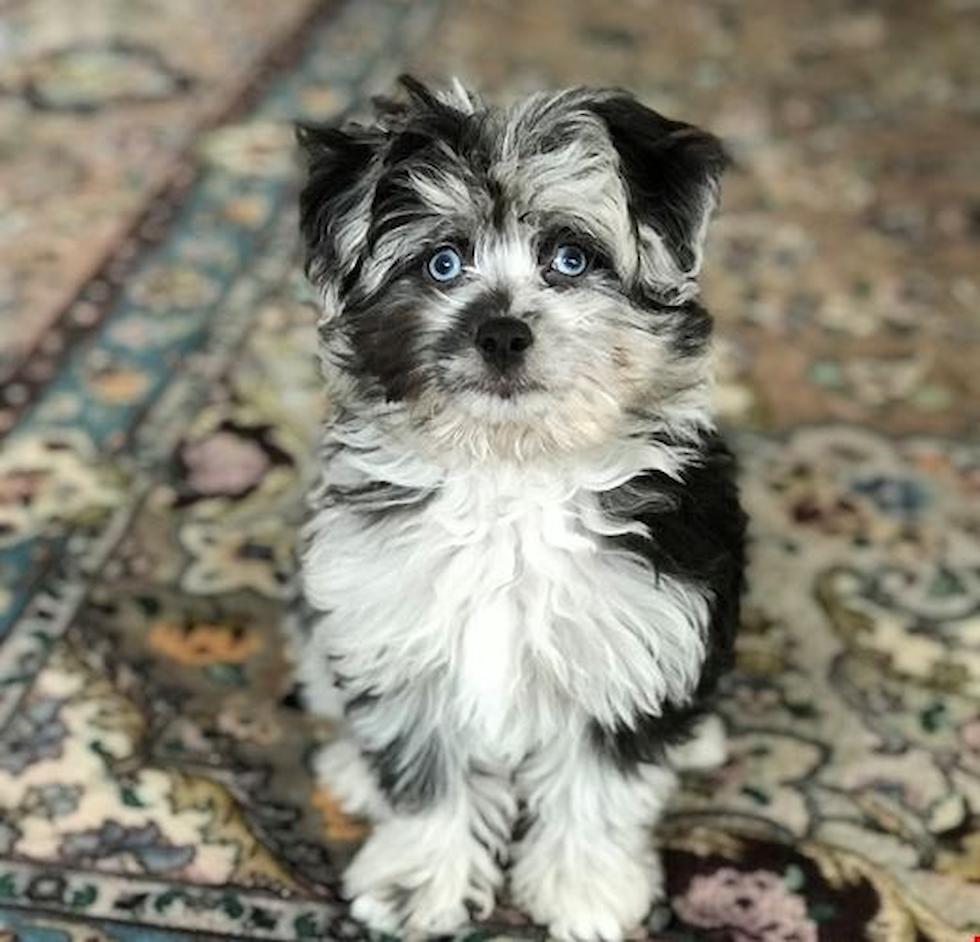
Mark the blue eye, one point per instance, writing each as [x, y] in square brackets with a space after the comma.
[570, 260]
[445, 265]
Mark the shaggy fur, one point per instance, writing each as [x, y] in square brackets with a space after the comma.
[525, 550]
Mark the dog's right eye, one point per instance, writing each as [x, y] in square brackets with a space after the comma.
[444, 265]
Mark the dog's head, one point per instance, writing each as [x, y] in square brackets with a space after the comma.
[511, 281]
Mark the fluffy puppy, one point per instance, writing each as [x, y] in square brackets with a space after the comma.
[525, 551]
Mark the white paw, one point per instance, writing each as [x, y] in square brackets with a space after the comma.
[375, 911]
[342, 769]
[707, 748]
[397, 911]
[599, 899]
[411, 917]
[416, 874]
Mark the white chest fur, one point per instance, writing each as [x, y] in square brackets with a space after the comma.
[498, 596]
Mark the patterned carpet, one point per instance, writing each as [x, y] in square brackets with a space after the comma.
[160, 405]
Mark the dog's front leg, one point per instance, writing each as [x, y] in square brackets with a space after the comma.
[586, 866]
[439, 852]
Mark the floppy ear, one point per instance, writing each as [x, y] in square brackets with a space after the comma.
[672, 171]
[333, 204]
[343, 165]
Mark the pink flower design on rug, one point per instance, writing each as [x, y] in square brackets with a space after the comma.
[224, 463]
[750, 907]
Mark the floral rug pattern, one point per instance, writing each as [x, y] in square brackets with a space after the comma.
[101, 104]
[154, 772]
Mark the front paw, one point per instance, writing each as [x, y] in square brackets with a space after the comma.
[595, 900]
[396, 910]
[411, 878]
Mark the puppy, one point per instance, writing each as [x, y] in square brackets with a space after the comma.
[525, 550]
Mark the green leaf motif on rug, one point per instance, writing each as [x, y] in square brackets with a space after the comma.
[83, 897]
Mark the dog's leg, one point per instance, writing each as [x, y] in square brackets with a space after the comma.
[586, 867]
[421, 868]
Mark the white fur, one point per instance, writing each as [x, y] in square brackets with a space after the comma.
[500, 579]
[446, 856]
[587, 868]
[492, 622]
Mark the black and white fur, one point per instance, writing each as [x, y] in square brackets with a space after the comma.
[526, 578]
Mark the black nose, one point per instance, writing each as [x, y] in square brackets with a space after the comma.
[503, 340]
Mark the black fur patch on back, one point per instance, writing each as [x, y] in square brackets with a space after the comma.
[697, 534]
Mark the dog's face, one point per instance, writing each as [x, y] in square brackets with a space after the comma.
[511, 281]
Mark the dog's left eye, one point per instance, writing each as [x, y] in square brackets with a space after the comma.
[570, 260]
[444, 264]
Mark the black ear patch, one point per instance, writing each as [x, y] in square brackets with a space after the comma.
[340, 161]
[672, 171]
[337, 161]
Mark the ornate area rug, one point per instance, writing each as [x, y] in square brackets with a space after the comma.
[161, 405]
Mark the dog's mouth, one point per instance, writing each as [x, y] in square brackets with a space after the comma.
[491, 384]
[502, 386]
